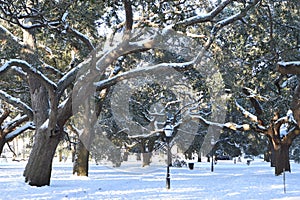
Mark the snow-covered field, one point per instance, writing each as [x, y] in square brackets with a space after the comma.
[228, 181]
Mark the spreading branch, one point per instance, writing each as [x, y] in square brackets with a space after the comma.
[246, 113]
[30, 70]
[20, 130]
[17, 103]
[227, 125]
[7, 35]
[253, 99]
[13, 124]
[205, 17]
[85, 39]
[144, 70]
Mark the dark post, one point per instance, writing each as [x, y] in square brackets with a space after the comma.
[168, 129]
[212, 162]
[168, 179]
[212, 153]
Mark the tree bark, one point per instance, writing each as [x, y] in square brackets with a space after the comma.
[272, 154]
[2, 143]
[295, 104]
[282, 159]
[146, 159]
[39, 166]
[81, 164]
[38, 169]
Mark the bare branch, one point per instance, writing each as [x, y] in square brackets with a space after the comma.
[229, 20]
[17, 103]
[129, 14]
[151, 134]
[20, 130]
[11, 125]
[67, 79]
[255, 103]
[204, 17]
[292, 67]
[144, 70]
[246, 113]
[228, 125]
[51, 86]
[81, 37]
[6, 35]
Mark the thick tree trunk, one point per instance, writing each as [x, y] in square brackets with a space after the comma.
[39, 166]
[81, 164]
[282, 159]
[38, 169]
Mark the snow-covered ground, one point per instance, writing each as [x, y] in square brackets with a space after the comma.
[130, 181]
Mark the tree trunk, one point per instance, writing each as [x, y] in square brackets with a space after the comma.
[199, 156]
[81, 164]
[146, 159]
[39, 166]
[272, 156]
[2, 143]
[38, 169]
[125, 156]
[138, 156]
[282, 159]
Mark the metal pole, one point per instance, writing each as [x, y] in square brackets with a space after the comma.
[168, 179]
[284, 188]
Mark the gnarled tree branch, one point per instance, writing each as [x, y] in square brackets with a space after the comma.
[17, 103]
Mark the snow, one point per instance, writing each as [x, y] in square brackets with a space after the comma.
[64, 17]
[228, 181]
[44, 125]
[291, 63]
[283, 130]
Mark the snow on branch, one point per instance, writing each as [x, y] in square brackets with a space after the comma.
[30, 70]
[154, 133]
[228, 125]
[67, 79]
[81, 37]
[246, 113]
[17, 103]
[229, 20]
[12, 124]
[142, 71]
[253, 96]
[205, 17]
[292, 67]
[18, 131]
[6, 34]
